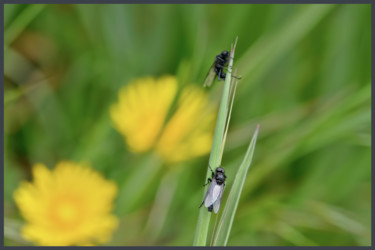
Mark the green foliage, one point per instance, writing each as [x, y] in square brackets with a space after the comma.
[226, 221]
[222, 125]
[306, 80]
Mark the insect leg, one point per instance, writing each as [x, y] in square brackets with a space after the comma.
[208, 181]
[218, 57]
[237, 77]
[211, 170]
[201, 204]
[223, 75]
[219, 78]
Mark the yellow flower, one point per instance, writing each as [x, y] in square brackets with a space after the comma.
[189, 132]
[70, 205]
[141, 112]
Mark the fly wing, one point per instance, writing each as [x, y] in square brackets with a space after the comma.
[213, 193]
[218, 200]
[210, 76]
[208, 191]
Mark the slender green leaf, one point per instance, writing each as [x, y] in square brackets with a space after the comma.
[21, 22]
[226, 221]
[216, 152]
[128, 195]
[269, 47]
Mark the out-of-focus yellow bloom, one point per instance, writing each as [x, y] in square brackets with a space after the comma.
[189, 132]
[141, 113]
[70, 205]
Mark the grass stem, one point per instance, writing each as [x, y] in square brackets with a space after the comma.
[200, 238]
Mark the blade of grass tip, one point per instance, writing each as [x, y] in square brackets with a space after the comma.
[232, 94]
[200, 238]
[233, 86]
[226, 221]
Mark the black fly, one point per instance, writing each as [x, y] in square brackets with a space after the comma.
[215, 191]
[217, 68]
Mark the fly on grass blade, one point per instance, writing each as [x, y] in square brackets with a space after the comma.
[212, 199]
[217, 69]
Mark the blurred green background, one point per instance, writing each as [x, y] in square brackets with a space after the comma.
[306, 79]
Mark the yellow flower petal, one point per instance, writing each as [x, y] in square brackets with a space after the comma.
[141, 111]
[69, 205]
[189, 133]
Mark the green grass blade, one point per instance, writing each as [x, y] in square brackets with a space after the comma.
[233, 89]
[201, 232]
[128, 196]
[226, 221]
[21, 22]
[270, 47]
